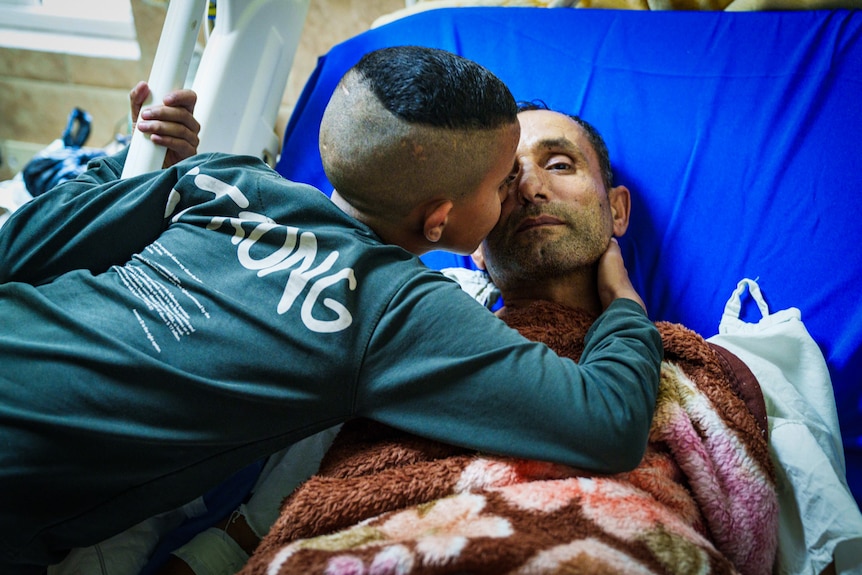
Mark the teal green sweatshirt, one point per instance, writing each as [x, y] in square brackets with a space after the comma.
[161, 332]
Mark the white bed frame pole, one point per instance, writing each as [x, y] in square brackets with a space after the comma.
[243, 73]
[170, 67]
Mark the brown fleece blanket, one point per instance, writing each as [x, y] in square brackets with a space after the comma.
[702, 500]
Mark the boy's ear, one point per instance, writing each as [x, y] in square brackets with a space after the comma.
[479, 256]
[436, 218]
[621, 205]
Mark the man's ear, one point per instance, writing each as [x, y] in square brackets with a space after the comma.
[621, 205]
[435, 219]
[479, 257]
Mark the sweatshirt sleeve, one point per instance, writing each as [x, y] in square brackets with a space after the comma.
[473, 381]
[90, 223]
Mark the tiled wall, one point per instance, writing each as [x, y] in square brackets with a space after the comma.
[39, 89]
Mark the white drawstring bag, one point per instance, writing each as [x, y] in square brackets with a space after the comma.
[819, 520]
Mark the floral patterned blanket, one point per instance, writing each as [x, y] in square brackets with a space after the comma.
[703, 499]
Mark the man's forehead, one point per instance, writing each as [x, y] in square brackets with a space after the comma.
[544, 129]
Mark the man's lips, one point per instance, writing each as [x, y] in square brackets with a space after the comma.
[538, 221]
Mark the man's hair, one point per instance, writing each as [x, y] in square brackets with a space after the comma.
[593, 136]
[431, 86]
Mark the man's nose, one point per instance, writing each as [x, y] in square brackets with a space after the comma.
[532, 186]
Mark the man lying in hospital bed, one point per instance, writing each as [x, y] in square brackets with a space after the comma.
[702, 500]
[305, 506]
[374, 478]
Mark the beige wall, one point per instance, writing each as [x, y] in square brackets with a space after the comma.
[39, 89]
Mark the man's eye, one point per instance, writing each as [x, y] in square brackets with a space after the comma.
[559, 163]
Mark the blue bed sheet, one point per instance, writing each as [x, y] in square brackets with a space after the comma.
[738, 134]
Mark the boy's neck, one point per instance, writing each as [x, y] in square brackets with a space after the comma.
[345, 206]
[393, 234]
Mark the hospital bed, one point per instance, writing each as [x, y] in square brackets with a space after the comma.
[738, 134]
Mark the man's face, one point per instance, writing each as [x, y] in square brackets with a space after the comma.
[557, 218]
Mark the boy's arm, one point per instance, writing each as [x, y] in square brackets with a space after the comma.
[470, 380]
[91, 222]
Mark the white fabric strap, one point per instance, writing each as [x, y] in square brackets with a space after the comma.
[733, 307]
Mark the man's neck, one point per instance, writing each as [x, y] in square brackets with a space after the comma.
[574, 292]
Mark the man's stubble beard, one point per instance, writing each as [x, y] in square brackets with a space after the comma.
[541, 254]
